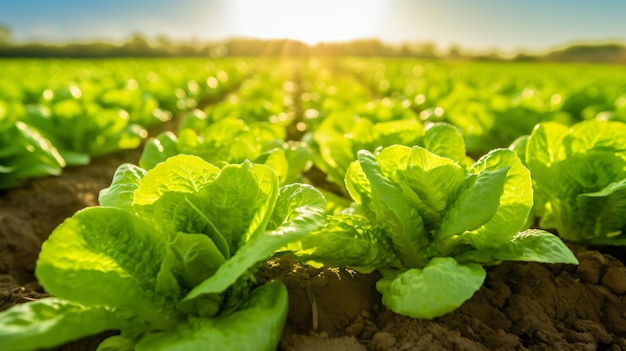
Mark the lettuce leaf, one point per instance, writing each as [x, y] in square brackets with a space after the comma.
[125, 182]
[50, 322]
[532, 245]
[109, 257]
[346, 240]
[474, 207]
[401, 221]
[252, 327]
[445, 140]
[440, 287]
[516, 200]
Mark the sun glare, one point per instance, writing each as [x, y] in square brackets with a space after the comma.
[310, 21]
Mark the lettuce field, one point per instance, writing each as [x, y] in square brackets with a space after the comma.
[312, 204]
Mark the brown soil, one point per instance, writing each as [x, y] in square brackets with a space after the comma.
[522, 306]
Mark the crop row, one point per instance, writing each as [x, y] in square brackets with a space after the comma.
[58, 113]
[493, 104]
[334, 170]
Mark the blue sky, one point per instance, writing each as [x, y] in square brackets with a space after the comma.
[530, 25]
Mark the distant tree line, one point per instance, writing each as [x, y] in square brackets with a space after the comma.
[136, 46]
[139, 46]
[610, 53]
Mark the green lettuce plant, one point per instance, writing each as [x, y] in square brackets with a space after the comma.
[493, 118]
[232, 140]
[25, 153]
[579, 177]
[340, 136]
[80, 129]
[167, 259]
[428, 224]
[143, 109]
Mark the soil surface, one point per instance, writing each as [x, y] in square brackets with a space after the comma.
[522, 306]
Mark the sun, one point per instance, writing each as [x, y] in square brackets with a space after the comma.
[310, 21]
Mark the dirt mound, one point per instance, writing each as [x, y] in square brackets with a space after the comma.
[521, 306]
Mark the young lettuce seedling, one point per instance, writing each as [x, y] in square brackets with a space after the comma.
[167, 259]
[428, 224]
